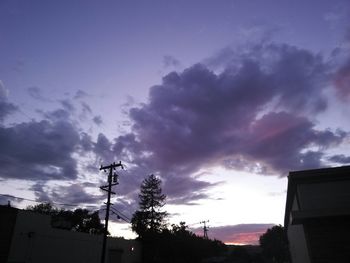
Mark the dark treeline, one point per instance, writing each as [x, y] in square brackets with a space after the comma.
[80, 220]
[177, 245]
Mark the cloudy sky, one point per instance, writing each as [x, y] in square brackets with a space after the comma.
[220, 99]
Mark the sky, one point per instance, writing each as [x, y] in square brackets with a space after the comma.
[219, 99]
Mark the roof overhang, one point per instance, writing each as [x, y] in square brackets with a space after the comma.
[311, 177]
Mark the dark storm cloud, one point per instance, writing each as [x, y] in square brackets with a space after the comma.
[297, 76]
[47, 150]
[300, 78]
[255, 112]
[238, 234]
[39, 150]
[198, 117]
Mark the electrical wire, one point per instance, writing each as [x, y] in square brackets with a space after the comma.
[31, 200]
[120, 215]
[116, 210]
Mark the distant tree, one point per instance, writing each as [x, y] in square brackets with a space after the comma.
[150, 218]
[81, 220]
[181, 229]
[43, 208]
[274, 245]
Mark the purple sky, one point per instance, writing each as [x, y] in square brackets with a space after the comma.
[218, 98]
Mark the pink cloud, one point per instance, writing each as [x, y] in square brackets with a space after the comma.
[243, 234]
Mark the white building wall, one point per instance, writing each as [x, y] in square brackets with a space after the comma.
[297, 240]
[35, 241]
[297, 244]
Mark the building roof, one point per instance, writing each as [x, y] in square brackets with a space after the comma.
[312, 177]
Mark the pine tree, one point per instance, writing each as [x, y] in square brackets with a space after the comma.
[150, 218]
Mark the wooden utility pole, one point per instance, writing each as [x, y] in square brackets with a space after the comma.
[112, 180]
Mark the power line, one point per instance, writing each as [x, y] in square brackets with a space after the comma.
[121, 215]
[39, 202]
[192, 224]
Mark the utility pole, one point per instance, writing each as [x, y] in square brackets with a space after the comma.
[112, 180]
[205, 229]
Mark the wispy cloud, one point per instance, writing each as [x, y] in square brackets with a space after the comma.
[170, 61]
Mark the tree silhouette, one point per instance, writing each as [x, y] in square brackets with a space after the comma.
[81, 220]
[274, 244]
[43, 208]
[150, 218]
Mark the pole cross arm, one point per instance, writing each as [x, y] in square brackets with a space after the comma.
[112, 166]
[104, 189]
